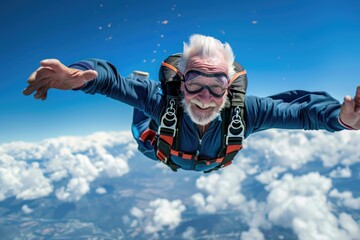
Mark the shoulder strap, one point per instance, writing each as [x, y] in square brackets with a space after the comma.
[233, 126]
[170, 121]
[169, 73]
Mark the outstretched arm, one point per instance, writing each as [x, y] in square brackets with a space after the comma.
[293, 110]
[53, 74]
[350, 111]
[95, 76]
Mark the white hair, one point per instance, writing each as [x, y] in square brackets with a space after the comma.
[205, 47]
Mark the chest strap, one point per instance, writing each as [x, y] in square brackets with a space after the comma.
[163, 141]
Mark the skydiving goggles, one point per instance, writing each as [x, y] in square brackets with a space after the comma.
[217, 88]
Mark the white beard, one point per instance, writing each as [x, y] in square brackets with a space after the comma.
[199, 118]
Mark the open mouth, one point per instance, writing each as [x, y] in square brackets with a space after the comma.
[203, 108]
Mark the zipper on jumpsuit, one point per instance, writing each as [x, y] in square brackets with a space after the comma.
[197, 150]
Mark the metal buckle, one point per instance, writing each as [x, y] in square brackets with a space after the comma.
[235, 124]
[169, 116]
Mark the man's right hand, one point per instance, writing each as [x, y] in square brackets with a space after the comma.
[53, 74]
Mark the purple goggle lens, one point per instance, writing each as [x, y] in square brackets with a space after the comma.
[194, 87]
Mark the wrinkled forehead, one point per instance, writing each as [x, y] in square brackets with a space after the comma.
[208, 65]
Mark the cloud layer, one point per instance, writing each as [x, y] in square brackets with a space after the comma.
[281, 178]
[297, 199]
[32, 170]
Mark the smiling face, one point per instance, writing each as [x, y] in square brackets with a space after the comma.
[203, 106]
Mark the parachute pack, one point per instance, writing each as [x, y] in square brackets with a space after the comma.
[165, 138]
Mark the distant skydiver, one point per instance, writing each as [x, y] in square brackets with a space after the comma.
[197, 115]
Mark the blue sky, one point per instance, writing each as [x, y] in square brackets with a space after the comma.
[311, 45]
[282, 182]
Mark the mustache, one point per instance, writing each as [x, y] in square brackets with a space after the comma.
[201, 104]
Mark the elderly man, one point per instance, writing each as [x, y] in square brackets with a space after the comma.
[205, 69]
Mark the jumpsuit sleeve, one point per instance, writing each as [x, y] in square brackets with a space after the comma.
[145, 95]
[292, 110]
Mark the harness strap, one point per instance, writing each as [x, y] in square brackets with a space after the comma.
[183, 155]
[170, 67]
[236, 75]
[148, 135]
[165, 149]
[233, 138]
[233, 148]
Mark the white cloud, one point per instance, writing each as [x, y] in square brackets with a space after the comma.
[341, 173]
[254, 213]
[161, 214]
[223, 189]
[301, 203]
[346, 199]
[267, 177]
[100, 190]
[75, 189]
[23, 180]
[25, 208]
[67, 166]
[297, 197]
[164, 213]
[290, 149]
[294, 149]
[252, 234]
[189, 233]
[339, 148]
[31, 170]
[136, 212]
[350, 225]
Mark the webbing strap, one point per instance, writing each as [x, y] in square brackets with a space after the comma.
[170, 67]
[233, 148]
[236, 75]
[183, 155]
[165, 149]
[148, 135]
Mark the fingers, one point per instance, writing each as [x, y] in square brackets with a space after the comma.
[39, 74]
[42, 93]
[51, 63]
[348, 104]
[90, 75]
[44, 96]
[31, 78]
[38, 79]
[357, 99]
[36, 85]
[30, 88]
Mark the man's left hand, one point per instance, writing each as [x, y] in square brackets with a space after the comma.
[350, 111]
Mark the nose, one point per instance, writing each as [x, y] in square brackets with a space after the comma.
[205, 95]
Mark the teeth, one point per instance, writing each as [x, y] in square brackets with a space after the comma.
[201, 107]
